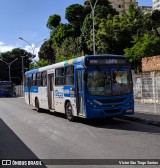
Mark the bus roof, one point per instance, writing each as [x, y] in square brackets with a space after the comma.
[68, 62]
[109, 55]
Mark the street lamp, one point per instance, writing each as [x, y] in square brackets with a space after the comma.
[23, 73]
[9, 66]
[33, 48]
[93, 9]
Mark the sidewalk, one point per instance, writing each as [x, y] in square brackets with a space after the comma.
[145, 113]
[145, 118]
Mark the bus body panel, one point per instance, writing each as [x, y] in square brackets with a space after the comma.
[69, 95]
[109, 107]
[59, 99]
[43, 92]
[26, 95]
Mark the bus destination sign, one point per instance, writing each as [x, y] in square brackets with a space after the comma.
[105, 61]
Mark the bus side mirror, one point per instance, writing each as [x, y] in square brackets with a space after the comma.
[85, 76]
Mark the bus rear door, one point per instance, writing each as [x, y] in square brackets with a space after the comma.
[51, 91]
[28, 91]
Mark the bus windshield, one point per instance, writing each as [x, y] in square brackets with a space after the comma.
[109, 82]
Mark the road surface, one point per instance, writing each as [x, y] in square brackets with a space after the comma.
[29, 134]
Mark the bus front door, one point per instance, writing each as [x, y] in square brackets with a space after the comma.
[80, 92]
[51, 91]
[29, 89]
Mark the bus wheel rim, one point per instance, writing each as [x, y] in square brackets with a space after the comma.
[69, 111]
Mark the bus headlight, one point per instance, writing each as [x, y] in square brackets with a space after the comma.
[129, 110]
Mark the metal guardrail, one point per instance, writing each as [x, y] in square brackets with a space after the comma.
[147, 91]
[19, 90]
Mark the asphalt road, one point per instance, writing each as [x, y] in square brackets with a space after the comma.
[28, 134]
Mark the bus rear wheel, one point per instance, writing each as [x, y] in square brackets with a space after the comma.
[37, 105]
[68, 111]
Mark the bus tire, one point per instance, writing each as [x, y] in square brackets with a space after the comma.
[37, 105]
[68, 111]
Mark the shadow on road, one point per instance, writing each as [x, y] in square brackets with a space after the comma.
[11, 147]
[109, 123]
[121, 124]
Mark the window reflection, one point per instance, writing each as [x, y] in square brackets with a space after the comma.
[106, 83]
[99, 83]
[121, 82]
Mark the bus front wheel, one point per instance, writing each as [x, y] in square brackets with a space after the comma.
[68, 110]
[37, 105]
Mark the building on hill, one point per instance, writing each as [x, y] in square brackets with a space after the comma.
[147, 9]
[156, 4]
[122, 5]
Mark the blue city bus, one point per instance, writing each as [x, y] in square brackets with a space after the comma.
[95, 86]
[7, 89]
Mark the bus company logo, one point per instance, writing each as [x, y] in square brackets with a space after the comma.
[66, 91]
[6, 162]
[58, 94]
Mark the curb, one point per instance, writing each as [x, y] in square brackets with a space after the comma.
[142, 120]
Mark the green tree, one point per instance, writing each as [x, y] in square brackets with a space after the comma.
[156, 15]
[75, 15]
[59, 34]
[16, 66]
[38, 64]
[53, 21]
[69, 49]
[86, 43]
[147, 45]
[102, 10]
[155, 25]
[115, 33]
[46, 52]
[100, 3]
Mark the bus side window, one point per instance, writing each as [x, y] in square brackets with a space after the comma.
[59, 77]
[69, 75]
[34, 80]
[44, 78]
[38, 79]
